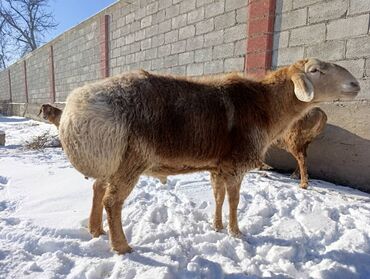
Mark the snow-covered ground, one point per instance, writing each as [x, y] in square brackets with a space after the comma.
[323, 232]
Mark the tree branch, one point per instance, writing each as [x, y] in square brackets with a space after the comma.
[23, 24]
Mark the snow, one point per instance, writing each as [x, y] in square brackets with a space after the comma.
[322, 232]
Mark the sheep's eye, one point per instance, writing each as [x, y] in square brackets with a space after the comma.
[314, 70]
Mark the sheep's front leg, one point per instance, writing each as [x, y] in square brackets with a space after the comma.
[218, 185]
[233, 184]
[96, 214]
[301, 159]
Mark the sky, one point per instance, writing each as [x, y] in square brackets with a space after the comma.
[69, 13]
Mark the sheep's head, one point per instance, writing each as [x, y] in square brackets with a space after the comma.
[48, 111]
[320, 81]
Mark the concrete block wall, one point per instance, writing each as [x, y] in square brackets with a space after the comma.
[76, 57]
[4, 86]
[38, 76]
[17, 82]
[336, 30]
[188, 37]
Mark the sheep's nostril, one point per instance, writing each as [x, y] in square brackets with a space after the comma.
[355, 84]
[351, 87]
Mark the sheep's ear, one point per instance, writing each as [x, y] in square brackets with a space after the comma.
[303, 88]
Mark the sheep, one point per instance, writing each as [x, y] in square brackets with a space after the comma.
[118, 128]
[296, 139]
[50, 113]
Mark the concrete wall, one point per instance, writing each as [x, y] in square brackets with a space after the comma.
[4, 86]
[76, 57]
[17, 82]
[191, 37]
[38, 76]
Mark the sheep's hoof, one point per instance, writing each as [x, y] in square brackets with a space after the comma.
[122, 250]
[97, 233]
[218, 226]
[235, 233]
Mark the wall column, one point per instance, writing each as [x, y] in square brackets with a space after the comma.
[25, 80]
[104, 46]
[260, 36]
[51, 74]
[10, 86]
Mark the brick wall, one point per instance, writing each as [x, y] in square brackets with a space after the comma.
[336, 30]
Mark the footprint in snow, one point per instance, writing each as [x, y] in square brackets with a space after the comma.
[101, 270]
[7, 205]
[3, 182]
[159, 215]
[10, 221]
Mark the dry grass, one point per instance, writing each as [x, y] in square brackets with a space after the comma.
[42, 141]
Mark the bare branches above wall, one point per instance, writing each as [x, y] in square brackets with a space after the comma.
[23, 25]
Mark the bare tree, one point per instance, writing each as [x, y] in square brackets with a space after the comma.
[3, 53]
[23, 25]
[3, 48]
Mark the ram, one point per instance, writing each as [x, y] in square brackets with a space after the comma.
[116, 129]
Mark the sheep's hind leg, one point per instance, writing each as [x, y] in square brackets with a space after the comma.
[119, 187]
[96, 214]
[218, 185]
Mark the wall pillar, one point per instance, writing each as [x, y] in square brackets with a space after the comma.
[25, 80]
[10, 86]
[104, 46]
[260, 36]
[51, 74]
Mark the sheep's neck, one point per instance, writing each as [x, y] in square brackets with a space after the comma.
[285, 106]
